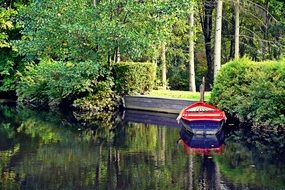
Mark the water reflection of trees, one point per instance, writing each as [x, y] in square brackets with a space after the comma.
[58, 154]
[149, 158]
[252, 158]
[8, 149]
[47, 150]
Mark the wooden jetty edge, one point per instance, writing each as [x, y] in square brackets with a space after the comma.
[160, 104]
[156, 104]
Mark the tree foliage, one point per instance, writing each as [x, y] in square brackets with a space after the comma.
[76, 30]
[10, 62]
[5, 25]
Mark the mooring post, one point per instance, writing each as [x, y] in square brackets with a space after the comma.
[202, 90]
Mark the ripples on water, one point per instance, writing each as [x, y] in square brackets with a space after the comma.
[51, 150]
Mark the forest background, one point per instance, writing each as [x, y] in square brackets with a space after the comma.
[106, 32]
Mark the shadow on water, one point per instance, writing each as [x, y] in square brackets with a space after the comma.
[43, 149]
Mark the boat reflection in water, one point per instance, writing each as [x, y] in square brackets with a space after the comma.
[202, 144]
[204, 173]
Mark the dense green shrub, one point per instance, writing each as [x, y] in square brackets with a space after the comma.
[134, 78]
[57, 82]
[102, 99]
[254, 92]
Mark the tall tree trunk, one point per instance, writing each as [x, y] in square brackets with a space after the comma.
[109, 57]
[163, 62]
[218, 38]
[192, 86]
[232, 45]
[237, 29]
[118, 55]
[95, 3]
[266, 53]
[206, 20]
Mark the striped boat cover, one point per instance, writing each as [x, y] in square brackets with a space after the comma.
[200, 109]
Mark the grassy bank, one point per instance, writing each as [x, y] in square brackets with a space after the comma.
[178, 94]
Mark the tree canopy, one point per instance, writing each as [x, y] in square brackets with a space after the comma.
[110, 31]
[77, 30]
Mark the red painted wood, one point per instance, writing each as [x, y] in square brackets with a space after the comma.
[202, 111]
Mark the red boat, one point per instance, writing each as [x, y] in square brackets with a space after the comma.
[202, 118]
[202, 111]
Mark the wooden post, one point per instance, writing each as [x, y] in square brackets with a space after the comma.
[202, 90]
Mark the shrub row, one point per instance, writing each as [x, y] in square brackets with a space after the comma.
[56, 82]
[253, 92]
[134, 78]
[86, 85]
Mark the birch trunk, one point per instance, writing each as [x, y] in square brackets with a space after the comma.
[218, 38]
[117, 55]
[237, 29]
[266, 45]
[192, 86]
[163, 61]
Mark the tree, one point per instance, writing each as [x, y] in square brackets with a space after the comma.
[10, 62]
[192, 85]
[237, 29]
[263, 29]
[5, 25]
[218, 38]
[163, 65]
[75, 30]
[131, 29]
[206, 20]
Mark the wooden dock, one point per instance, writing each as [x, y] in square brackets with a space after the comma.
[157, 104]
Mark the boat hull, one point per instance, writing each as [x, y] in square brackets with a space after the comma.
[202, 127]
[202, 118]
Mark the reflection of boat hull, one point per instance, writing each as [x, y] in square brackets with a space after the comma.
[202, 127]
[202, 144]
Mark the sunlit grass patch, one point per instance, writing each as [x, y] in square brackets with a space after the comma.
[178, 94]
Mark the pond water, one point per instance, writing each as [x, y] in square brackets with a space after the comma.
[53, 150]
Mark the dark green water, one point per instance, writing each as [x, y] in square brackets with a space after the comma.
[50, 150]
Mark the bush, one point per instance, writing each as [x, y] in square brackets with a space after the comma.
[57, 82]
[103, 99]
[134, 78]
[253, 92]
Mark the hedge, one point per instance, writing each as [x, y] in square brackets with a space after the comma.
[134, 78]
[252, 91]
[52, 82]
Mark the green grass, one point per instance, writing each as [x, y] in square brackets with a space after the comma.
[178, 94]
